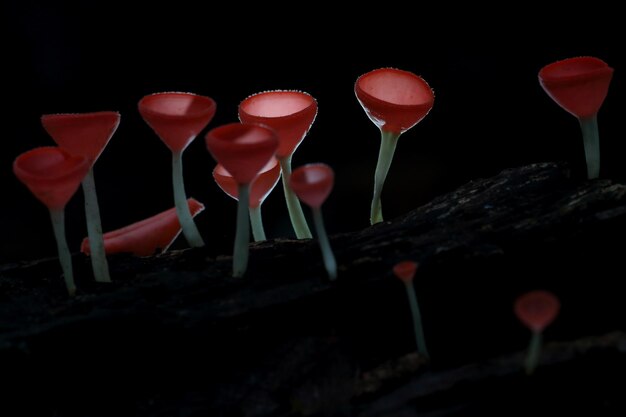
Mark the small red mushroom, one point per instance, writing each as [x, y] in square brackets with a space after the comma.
[405, 272]
[312, 183]
[536, 310]
[86, 135]
[243, 150]
[148, 236]
[579, 86]
[177, 118]
[260, 188]
[291, 115]
[395, 101]
[53, 176]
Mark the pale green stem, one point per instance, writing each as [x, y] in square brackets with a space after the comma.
[327, 253]
[242, 236]
[65, 257]
[591, 139]
[534, 353]
[180, 200]
[298, 221]
[99, 263]
[388, 141]
[258, 231]
[417, 320]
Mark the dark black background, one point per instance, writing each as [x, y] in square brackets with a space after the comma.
[490, 112]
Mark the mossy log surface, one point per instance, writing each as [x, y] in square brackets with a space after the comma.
[176, 335]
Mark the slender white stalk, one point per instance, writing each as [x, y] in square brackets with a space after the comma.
[258, 231]
[190, 230]
[298, 221]
[327, 253]
[534, 353]
[388, 143]
[242, 236]
[99, 262]
[591, 139]
[417, 320]
[65, 257]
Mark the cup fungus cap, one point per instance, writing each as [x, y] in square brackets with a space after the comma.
[289, 113]
[177, 118]
[51, 174]
[82, 134]
[313, 183]
[579, 85]
[395, 100]
[260, 188]
[537, 309]
[405, 271]
[242, 149]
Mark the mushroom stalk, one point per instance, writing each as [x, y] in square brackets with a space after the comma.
[180, 200]
[258, 231]
[327, 253]
[388, 142]
[591, 139]
[65, 258]
[296, 214]
[242, 236]
[99, 262]
[417, 319]
[534, 353]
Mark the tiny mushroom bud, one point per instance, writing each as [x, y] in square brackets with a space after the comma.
[86, 135]
[579, 86]
[148, 236]
[291, 115]
[395, 101]
[243, 150]
[536, 310]
[177, 118]
[53, 176]
[312, 184]
[260, 188]
[405, 272]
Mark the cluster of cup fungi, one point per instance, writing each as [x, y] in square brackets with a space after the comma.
[254, 154]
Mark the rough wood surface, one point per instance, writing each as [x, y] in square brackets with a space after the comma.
[176, 335]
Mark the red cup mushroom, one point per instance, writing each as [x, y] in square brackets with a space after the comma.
[579, 86]
[86, 135]
[177, 118]
[291, 115]
[260, 188]
[395, 101]
[243, 150]
[312, 184]
[405, 272]
[53, 176]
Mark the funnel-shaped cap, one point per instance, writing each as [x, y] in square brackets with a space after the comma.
[82, 134]
[405, 271]
[289, 113]
[578, 85]
[393, 99]
[51, 174]
[312, 183]
[177, 118]
[260, 188]
[537, 309]
[243, 150]
[147, 236]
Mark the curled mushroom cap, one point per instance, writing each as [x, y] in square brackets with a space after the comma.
[260, 188]
[313, 183]
[578, 85]
[177, 118]
[51, 174]
[289, 113]
[395, 100]
[537, 309]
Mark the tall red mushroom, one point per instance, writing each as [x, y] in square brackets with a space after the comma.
[53, 176]
[86, 135]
